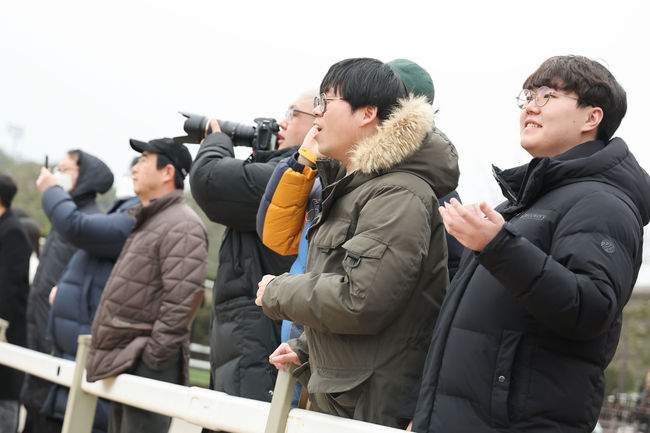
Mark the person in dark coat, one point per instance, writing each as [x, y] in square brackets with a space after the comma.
[83, 176]
[100, 238]
[229, 191]
[15, 251]
[534, 314]
[31, 229]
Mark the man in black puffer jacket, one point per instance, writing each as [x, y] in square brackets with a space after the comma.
[229, 191]
[83, 176]
[533, 316]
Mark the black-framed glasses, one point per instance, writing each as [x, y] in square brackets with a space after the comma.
[291, 113]
[321, 102]
[541, 96]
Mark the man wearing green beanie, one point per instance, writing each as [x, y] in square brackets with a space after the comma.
[376, 270]
[416, 80]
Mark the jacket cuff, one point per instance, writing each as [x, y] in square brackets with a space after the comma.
[300, 347]
[509, 258]
[504, 235]
[293, 163]
[271, 303]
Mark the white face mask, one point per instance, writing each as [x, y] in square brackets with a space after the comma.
[64, 180]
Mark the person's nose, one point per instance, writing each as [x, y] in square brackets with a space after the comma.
[284, 124]
[316, 111]
[532, 107]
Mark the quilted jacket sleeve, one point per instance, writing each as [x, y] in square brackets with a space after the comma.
[183, 253]
[580, 287]
[281, 215]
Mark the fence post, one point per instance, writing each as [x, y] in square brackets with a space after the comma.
[281, 401]
[3, 329]
[80, 410]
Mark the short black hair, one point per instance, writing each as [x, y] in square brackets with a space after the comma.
[8, 190]
[365, 81]
[593, 82]
[162, 161]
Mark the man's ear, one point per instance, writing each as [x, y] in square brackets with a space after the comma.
[594, 117]
[169, 172]
[369, 115]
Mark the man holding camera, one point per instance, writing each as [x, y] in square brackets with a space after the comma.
[229, 191]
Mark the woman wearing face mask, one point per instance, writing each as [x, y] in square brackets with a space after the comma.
[83, 176]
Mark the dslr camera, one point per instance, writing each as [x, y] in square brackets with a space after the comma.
[262, 136]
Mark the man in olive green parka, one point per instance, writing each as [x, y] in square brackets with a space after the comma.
[376, 270]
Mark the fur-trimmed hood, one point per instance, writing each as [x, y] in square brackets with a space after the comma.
[409, 141]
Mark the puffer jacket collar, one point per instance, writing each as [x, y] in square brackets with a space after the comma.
[142, 213]
[610, 163]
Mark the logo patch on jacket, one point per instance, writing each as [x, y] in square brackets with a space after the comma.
[608, 246]
[533, 216]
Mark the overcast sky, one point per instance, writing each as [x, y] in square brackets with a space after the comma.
[90, 75]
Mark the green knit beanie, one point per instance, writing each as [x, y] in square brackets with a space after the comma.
[415, 78]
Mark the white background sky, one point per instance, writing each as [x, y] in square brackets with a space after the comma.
[90, 75]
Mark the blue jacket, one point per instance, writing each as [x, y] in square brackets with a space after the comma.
[100, 238]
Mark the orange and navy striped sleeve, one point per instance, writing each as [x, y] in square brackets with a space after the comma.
[281, 215]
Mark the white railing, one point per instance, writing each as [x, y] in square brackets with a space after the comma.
[203, 351]
[206, 408]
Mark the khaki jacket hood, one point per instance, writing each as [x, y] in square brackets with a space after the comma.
[409, 141]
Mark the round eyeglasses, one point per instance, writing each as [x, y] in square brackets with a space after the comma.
[291, 113]
[541, 96]
[321, 102]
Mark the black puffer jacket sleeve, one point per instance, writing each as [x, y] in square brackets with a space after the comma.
[580, 287]
[228, 190]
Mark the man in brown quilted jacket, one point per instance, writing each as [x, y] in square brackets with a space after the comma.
[142, 324]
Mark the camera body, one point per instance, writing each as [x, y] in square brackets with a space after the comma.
[262, 136]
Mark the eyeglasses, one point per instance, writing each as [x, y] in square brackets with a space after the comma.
[291, 113]
[541, 97]
[321, 102]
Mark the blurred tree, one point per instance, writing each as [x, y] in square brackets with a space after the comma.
[215, 233]
[628, 369]
[24, 173]
[201, 326]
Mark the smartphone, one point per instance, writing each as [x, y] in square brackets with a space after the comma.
[46, 161]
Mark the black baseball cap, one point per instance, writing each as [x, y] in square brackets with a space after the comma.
[176, 152]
